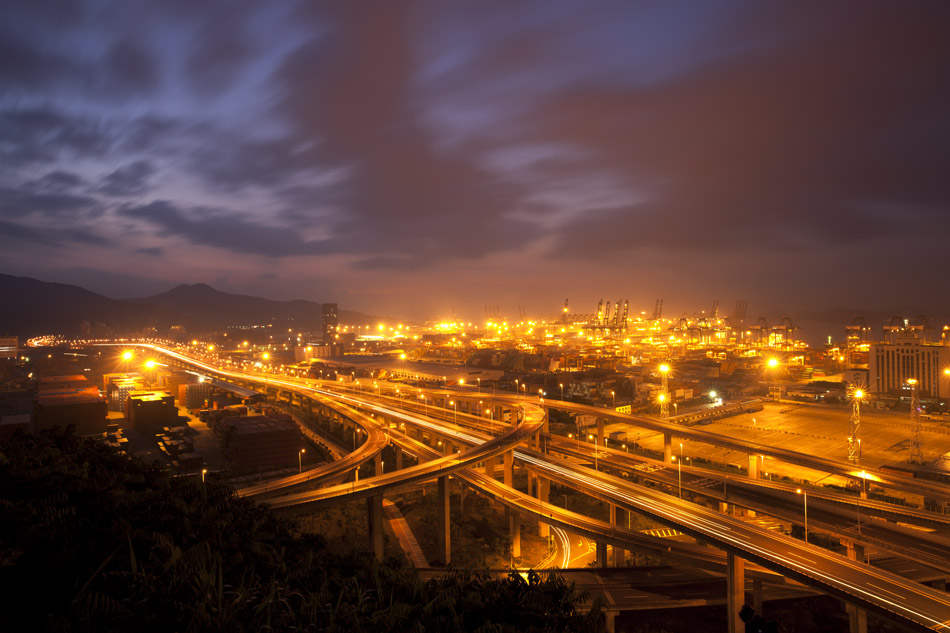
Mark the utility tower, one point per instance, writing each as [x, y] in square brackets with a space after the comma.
[916, 450]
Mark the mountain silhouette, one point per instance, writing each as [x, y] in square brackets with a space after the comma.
[34, 307]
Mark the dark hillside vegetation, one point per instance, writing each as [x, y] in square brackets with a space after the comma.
[94, 541]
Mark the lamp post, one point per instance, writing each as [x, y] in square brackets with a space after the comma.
[679, 468]
[479, 381]
[803, 492]
[491, 421]
[773, 365]
[561, 385]
[204, 471]
[613, 400]
[664, 396]
[300, 459]
[863, 495]
[455, 419]
[596, 449]
[854, 439]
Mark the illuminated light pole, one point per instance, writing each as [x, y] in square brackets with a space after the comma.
[596, 449]
[491, 421]
[665, 397]
[802, 492]
[455, 419]
[854, 441]
[680, 470]
[916, 450]
[773, 365]
[753, 430]
[204, 471]
[479, 381]
[561, 385]
[863, 495]
[300, 459]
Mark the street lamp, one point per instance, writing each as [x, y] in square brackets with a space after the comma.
[204, 471]
[596, 449]
[455, 419]
[854, 440]
[802, 492]
[300, 459]
[479, 380]
[664, 404]
[613, 400]
[773, 365]
[491, 420]
[679, 467]
[561, 385]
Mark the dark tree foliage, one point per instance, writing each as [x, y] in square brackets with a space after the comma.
[94, 541]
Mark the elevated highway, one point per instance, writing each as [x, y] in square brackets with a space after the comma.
[899, 598]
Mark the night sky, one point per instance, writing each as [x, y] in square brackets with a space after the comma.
[405, 158]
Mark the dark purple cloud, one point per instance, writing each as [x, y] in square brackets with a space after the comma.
[403, 145]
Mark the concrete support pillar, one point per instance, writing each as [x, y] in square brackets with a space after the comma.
[464, 501]
[858, 619]
[398, 452]
[509, 468]
[610, 625]
[600, 431]
[514, 532]
[724, 507]
[544, 491]
[490, 467]
[374, 519]
[378, 464]
[445, 524]
[735, 592]
[601, 554]
[754, 466]
[857, 615]
[667, 448]
[757, 596]
[617, 518]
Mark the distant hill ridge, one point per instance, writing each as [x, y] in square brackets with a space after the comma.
[32, 307]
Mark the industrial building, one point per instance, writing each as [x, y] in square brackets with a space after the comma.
[194, 395]
[149, 411]
[8, 347]
[892, 364]
[331, 322]
[259, 443]
[64, 400]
